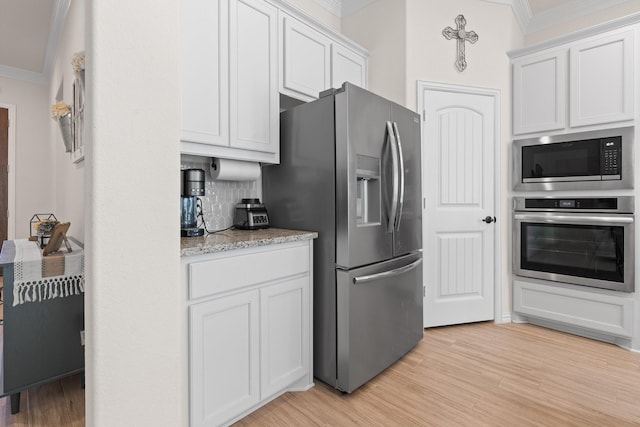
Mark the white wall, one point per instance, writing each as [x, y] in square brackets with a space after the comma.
[572, 24]
[34, 192]
[135, 314]
[431, 57]
[68, 191]
[381, 28]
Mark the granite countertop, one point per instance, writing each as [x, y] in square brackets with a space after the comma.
[238, 239]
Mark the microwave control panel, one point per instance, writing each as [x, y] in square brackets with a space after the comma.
[611, 156]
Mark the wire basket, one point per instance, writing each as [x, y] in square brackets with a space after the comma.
[41, 226]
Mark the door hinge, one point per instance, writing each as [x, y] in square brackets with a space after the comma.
[424, 291]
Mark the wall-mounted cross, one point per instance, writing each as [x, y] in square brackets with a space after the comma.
[461, 35]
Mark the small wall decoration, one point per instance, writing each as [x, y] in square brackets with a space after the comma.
[77, 63]
[461, 35]
[61, 113]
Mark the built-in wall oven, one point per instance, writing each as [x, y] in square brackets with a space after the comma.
[596, 160]
[585, 241]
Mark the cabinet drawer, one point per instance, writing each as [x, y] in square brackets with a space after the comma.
[237, 271]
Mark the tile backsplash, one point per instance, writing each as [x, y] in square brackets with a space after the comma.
[220, 197]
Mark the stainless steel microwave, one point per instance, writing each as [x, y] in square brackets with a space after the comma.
[595, 160]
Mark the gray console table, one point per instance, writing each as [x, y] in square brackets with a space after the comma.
[42, 331]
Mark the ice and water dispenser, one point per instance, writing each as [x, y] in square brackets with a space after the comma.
[367, 190]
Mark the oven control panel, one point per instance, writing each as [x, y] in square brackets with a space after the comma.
[602, 203]
[619, 204]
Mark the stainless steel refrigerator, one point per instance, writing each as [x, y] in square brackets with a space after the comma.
[350, 169]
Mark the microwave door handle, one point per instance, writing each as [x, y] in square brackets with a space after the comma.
[394, 160]
[400, 204]
[574, 219]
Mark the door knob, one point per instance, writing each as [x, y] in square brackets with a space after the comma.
[490, 219]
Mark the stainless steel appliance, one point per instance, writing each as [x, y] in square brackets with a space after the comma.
[192, 187]
[582, 161]
[580, 240]
[350, 169]
[250, 214]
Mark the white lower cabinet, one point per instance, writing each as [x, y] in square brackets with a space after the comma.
[251, 343]
[590, 309]
[225, 360]
[284, 325]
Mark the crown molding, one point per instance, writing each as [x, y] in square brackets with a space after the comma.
[568, 12]
[351, 6]
[24, 75]
[614, 24]
[58, 17]
[60, 9]
[521, 10]
[333, 6]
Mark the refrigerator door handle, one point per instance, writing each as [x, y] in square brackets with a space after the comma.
[393, 212]
[386, 274]
[400, 203]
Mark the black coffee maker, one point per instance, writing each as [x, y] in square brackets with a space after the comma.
[192, 183]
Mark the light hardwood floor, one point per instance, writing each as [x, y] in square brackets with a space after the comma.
[470, 375]
[481, 375]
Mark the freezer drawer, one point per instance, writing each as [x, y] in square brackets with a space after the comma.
[379, 309]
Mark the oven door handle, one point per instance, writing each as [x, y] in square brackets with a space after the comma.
[574, 219]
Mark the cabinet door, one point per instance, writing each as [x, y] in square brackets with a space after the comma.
[539, 92]
[306, 60]
[205, 95]
[602, 79]
[285, 312]
[347, 66]
[254, 102]
[224, 357]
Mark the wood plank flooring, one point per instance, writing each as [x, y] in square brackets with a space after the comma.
[470, 375]
[481, 375]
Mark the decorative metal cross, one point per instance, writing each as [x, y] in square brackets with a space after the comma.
[461, 35]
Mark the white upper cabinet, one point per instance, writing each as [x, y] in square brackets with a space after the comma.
[205, 92]
[539, 92]
[347, 66]
[602, 79]
[313, 60]
[253, 70]
[306, 59]
[595, 74]
[237, 56]
[230, 103]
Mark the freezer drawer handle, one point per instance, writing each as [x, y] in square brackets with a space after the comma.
[387, 274]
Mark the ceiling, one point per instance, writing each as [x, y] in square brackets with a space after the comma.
[29, 34]
[30, 30]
